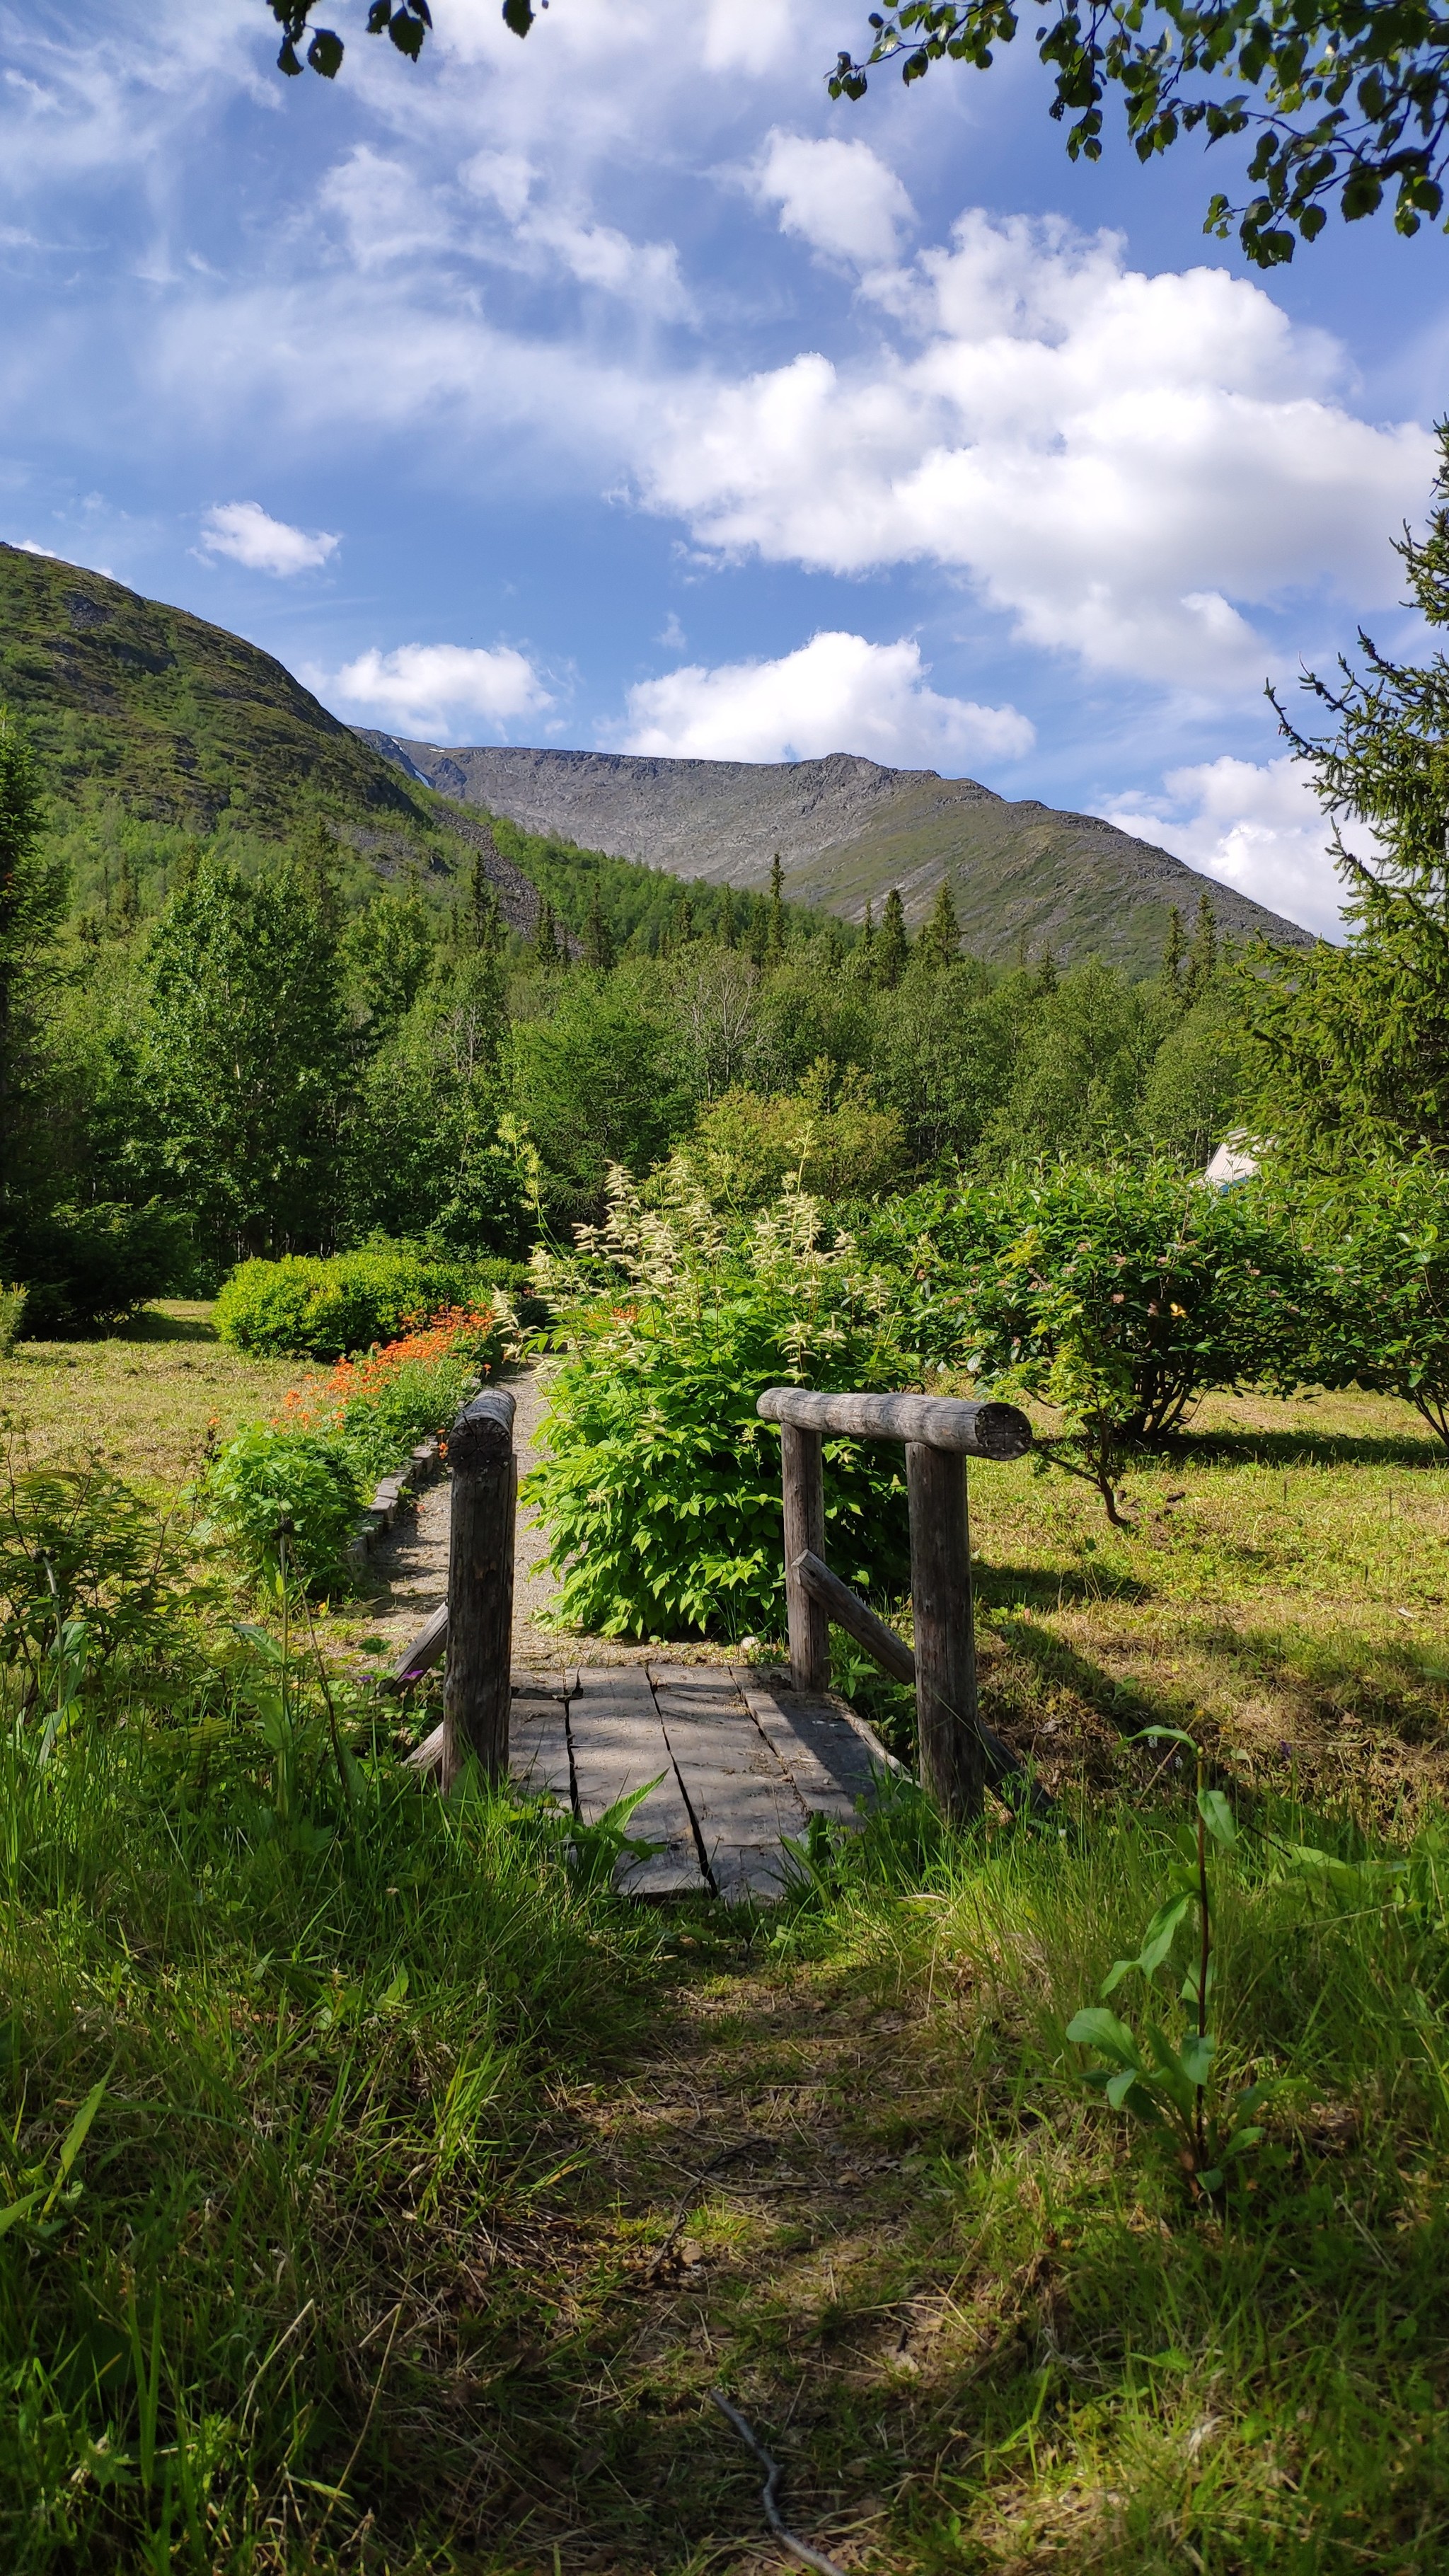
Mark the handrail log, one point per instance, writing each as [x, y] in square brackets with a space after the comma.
[932, 1421]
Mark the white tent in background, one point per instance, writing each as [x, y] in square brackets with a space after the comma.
[1234, 1161]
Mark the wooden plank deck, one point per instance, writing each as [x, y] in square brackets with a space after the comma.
[739, 1763]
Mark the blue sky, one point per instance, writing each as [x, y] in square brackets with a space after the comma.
[616, 390]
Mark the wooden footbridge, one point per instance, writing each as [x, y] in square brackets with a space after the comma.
[739, 1757]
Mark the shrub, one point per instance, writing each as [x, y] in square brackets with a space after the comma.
[1382, 1308]
[374, 1410]
[321, 1309]
[77, 1545]
[97, 1264]
[270, 1474]
[662, 1492]
[12, 1316]
[1117, 1295]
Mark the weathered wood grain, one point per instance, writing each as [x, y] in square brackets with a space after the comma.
[953, 1757]
[802, 1475]
[942, 1421]
[829, 1758]
[618, 1743]
[838, 1602]
[476, 1691]
[539, 1747]
[742, 1798]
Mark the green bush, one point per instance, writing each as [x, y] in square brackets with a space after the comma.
[268, 1475]
[662, 1493]
[96, 1264]
[1117, 1295]
[321, 1309]
[1382, 1307]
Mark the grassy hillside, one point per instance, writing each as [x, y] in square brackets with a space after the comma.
[176, 719]
[1025, 877]
[154, 726]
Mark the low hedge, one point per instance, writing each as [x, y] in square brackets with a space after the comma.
[314, 1308]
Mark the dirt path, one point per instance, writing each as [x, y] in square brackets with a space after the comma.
[408, 1573]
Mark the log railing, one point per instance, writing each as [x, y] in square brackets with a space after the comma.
[939, 1433]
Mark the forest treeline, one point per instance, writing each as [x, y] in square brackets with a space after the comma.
[288, 1054]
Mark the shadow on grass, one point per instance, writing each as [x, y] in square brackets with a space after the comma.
[153, 1324]
[1045, 1587]
[1297, 1448]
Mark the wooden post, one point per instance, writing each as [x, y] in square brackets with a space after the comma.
[802, 1472]
[953, 1758]
[477, 1687]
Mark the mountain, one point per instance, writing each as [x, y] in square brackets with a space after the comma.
[179, 720]
[847, 829]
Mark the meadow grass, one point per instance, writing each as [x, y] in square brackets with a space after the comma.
[431, 2191]
[148, 1400]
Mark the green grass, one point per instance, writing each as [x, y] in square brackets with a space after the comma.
[430, 2193]
[147, 1399]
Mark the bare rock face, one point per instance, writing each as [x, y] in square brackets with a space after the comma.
[1025, 877]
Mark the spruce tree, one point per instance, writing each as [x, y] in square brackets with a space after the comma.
[891, 948]
[32, 902]
[1174, 954]
[726, 919]
[485, 919]
[545, 936]
[775, 946]
[1047, 979]
[1354, 1041]
[757, 936]
[940, 941]
[1202, 962]
[127, 911]
[598, 938]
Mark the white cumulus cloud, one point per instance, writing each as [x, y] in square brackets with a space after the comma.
[1257, 825]
[1128, 465]
[839, 196]
[244, 531]
[436, 691]
[836, 693]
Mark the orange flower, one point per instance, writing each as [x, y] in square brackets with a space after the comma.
[351, 1381]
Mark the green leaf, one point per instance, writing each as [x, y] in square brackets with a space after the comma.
[325, 53]
[1161, 1932]
[1095, 2028]
[1217, 1815]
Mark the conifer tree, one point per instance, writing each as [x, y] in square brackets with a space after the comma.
[1174, 953]
[775, 945]
[1202, 962]
[545, 936]
[486, 921]
[757, 936]
[940, 941]
[1355, 1040]
[128, 898]
[726, 919]
[598, 938]
[865, 953]
[32, 901]
[891, 948]
[1047, 978]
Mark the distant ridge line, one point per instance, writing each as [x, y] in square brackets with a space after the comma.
[1025, 876]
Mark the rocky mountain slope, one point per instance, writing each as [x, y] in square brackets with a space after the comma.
[846, 829]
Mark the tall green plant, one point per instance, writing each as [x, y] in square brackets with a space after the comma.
[1170, 2084]
[661, 1495]
[1116, 1295]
